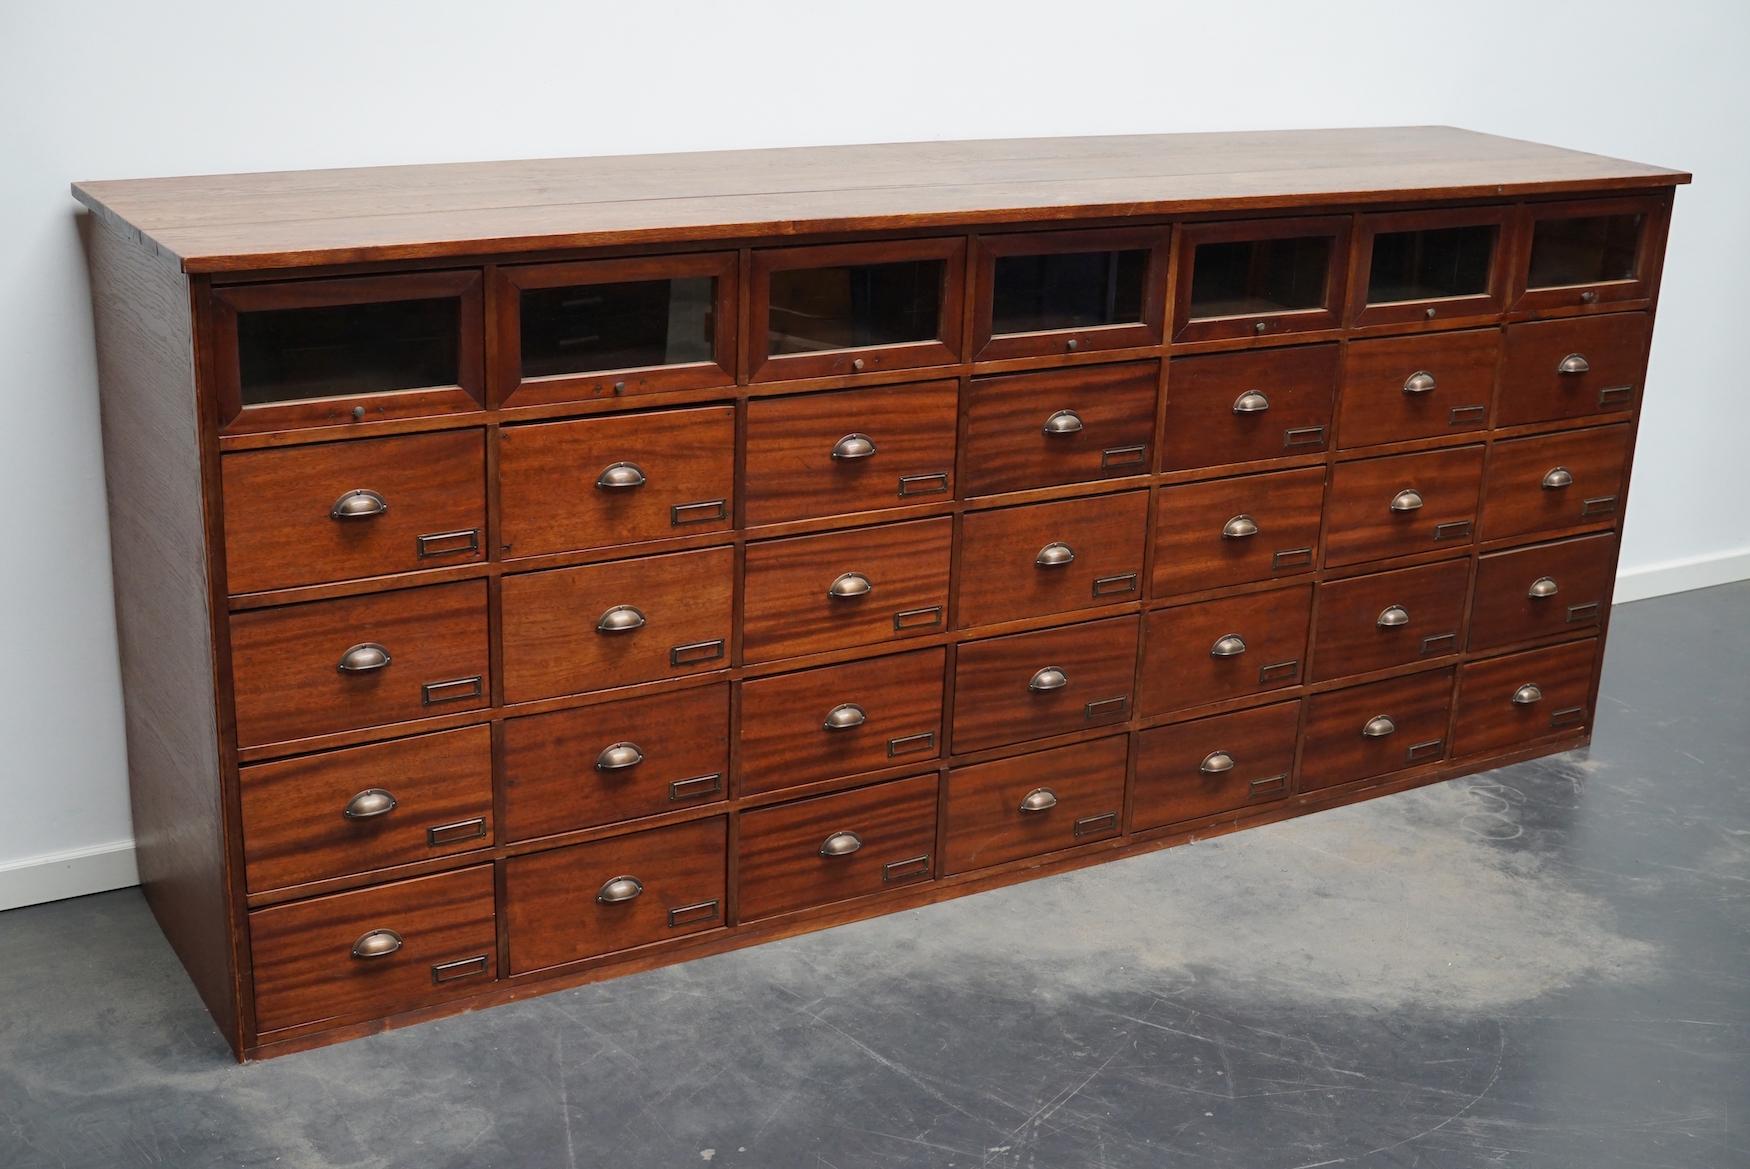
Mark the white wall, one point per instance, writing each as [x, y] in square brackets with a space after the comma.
[114, 89]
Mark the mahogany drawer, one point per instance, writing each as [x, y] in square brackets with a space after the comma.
[1389, 619]
[863, 587]
[1546, 589]
[364, 808]
[1572, 368]
[1225, 648]
[1231, 531]
[326, 666]
[1510, 701]
[849, 451]
[570, 904]
[1058, 426]
[1555, 481]
[1243, 407]
[1375, 729]
[1213, 765]
[617, 479]
[373, 952]
[1049, 682]
[840, 720]
[832, 848]
[343, 510]
[572, 630]
[1031, 804]
[615, 761]
[1402, 504]
[1430, 384]
[1048, 558]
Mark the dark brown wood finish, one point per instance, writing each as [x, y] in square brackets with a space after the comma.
[1376, 729]
[1145, 329]
[1049, 558]
[1390, 619]
[1558, 481]
[1375, 306]
[1579, 368]
[1197, 654]
[1520, 698]
[1230, 531]
[1417, 387]
[1240, 318]
[1030, 804]
[1080, 424]
[1211, 765]
[1380, 508]
[1033, 685]
[1541, 591]
[1246, 407]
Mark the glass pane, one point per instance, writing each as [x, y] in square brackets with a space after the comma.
[855, 306]
[1075, 290]
[292, 354]
[641, 323]
[1590, 250]
[1255, 277]
[1428, 265]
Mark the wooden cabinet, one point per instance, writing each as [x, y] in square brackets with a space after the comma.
[528, 590]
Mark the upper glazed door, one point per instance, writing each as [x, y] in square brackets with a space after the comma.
[1590, 251]
[1067, 292]
[1429, 266]
[1260, 278]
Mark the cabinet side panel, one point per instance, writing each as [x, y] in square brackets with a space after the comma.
[152, 464]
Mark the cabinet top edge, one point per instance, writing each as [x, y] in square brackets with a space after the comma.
[287, 220]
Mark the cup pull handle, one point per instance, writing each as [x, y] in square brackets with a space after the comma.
[1050, 678]
[1543, 586]
[1216, 762]
[1574, 363]
[369, 804]
[844, 717]
[1393, 616]
[358, 505]
[1231, 646]
[840, 844]
[853, 446]
[1409, 499]
[620, 619]
[1063, 422]
[1379, 727]
[1251, 402]
[618, 757]
[1040, 799]
[376, 944]
[619, 889]
[1055, 555]
[364, 658]
[1420, 382]
[1557, 478]
[849, 584]
[621, 477]
[1528, 694]
[1239, 528]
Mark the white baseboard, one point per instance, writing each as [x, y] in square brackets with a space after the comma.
[53, 876]
[1680, 576]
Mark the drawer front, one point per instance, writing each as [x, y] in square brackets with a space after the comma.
[364, 808]
[1241, 407]
[1047, 558]
[592, 899]
[1417, 387]
[831, 848]
[572, 630]
[1231, 531]
[813, 593]
[373, 952]
[615, 761]
[849, 451]
[1389, 619]
[1572, 368]
[1213, 765]
[1032, 804]
[1051, 682]
[840, 720]
[1226, 648]
[1536, 592]
[354, 662]
[1058, 426]
[1510, 701]
[1403, 504]
[1555, 481]
[344, 510]
[1376, 729]
[597, 482]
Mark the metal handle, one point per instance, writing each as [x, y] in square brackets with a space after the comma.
[1558, 478]
[841, 844]
[1420, 382]
[1040, 799]
[1393, 616]
[620, 619]
[1574, 363]
[376, 944]
[620, 477]
[1231, 646]
[1064, 422]
[1050, 678]
[358, 505]
[619, 889]
[1251, 402]
[1378, 727]
[363, 658]
[1409, 499]
[369, 804]
[850, 584]
[1055, 555]
[618, 757]
[1239, 528]
[853, 446]
[844, 717]
[1216, 762]
[1543, 586]
[1527, 694]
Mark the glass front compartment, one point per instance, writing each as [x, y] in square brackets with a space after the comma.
[1594, 249]
[637, 324]
[1248, 278]
[296, 354]
[1430, 265]
[1067, 290]
[854, 306]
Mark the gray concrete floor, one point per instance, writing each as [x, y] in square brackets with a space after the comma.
[1546, 965]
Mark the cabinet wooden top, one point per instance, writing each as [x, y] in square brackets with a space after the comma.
[294, 219]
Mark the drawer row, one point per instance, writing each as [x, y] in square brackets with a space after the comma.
[348, 510]
[411, 942]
